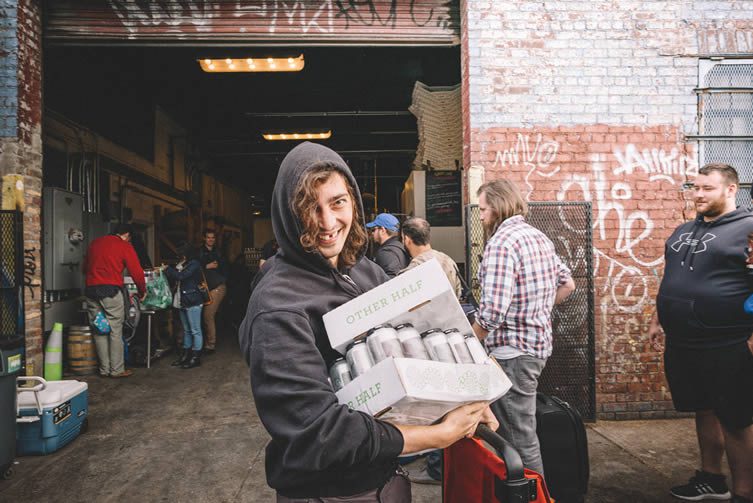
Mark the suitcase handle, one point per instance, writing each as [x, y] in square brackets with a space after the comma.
[505, 451]
[517, 488]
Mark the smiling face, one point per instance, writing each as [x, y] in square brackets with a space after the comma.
[334, 215]
[713, 196]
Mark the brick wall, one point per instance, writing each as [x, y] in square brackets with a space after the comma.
[592, 101]
[21, 146]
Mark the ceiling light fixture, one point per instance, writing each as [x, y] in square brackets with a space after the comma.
[253, 65]
[319, 135]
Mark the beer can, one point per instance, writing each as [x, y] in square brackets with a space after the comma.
[339, 374]
[359, 358]
[436, 344]
[383, 342]
[457, 344]
[410, 340]
[477, 350]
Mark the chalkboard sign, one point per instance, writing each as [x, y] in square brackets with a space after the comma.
[443, 199]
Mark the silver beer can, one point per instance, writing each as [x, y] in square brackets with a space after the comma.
[436, 344]
[383, 342]
[339, 374]
[457, 344]
[477, 350]
[359, 358]
[410, 340]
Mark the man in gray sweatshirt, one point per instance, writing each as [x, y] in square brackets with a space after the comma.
[320, 448]
[708, 358]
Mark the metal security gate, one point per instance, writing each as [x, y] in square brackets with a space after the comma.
[11, 277]
[244, 22]
[570, 371]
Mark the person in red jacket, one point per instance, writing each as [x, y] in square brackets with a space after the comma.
[106, 259]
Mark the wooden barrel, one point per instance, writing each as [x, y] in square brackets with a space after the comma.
[80, 351]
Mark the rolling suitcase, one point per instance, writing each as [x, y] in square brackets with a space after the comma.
[474, 474]
[564, 448]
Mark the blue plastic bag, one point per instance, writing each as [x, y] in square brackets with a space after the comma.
[100, 323]
[748, 305]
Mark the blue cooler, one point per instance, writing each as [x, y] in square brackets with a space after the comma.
[50, 415]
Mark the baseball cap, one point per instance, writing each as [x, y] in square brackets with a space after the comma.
[386, 220]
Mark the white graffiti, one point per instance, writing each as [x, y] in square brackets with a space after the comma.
[657, 163]
[301, 16]
[294, 13]
[538, 159]
[134, 14]
[632, 226]
[626, 276]
[621, 276]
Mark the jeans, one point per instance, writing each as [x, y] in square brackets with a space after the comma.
[109, 347]
[516, 410]
[434, 462]
[190, 317]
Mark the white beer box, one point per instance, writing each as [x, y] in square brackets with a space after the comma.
[422, 296]
[407, 390]
[412, 391]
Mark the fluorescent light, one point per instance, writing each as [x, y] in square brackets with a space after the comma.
[290, 64]
[319, 135]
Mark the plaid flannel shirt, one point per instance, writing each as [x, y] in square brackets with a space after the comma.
[519, 276]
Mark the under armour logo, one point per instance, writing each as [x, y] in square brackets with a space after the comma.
[699, 245]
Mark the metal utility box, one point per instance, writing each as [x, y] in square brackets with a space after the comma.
[64, 244]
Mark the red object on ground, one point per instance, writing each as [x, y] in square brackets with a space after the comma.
[471, 472]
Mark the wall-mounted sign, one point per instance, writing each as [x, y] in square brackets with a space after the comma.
[444, 199]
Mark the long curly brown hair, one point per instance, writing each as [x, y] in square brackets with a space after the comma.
[305, 205]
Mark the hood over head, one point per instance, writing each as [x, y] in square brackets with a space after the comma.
[286, 225]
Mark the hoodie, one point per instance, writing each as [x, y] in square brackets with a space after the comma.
[392, 257]
[700, 299]
[319, 448]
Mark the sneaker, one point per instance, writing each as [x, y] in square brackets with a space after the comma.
[702, 486]
[422, 477]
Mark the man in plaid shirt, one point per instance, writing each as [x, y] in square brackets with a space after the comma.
[521, 278]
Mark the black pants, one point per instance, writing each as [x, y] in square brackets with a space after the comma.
[395, 490]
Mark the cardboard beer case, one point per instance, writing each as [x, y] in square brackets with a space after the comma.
[408, 390]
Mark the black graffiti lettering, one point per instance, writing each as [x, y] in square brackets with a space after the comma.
[30, 269]
[366, 13]
[413, 15]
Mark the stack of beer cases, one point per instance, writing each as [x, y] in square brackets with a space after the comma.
[409, 352]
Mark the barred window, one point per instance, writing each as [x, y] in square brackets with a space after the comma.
[725, 118]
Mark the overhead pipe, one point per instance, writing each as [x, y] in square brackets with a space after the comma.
[351, 113]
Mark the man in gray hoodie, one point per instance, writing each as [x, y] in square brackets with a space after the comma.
[708, 358]
[320, 448]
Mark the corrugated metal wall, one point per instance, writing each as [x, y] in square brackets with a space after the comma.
[325, 22]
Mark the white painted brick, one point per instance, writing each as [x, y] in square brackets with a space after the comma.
[593, 57]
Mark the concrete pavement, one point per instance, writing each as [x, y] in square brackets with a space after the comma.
[168, 434]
